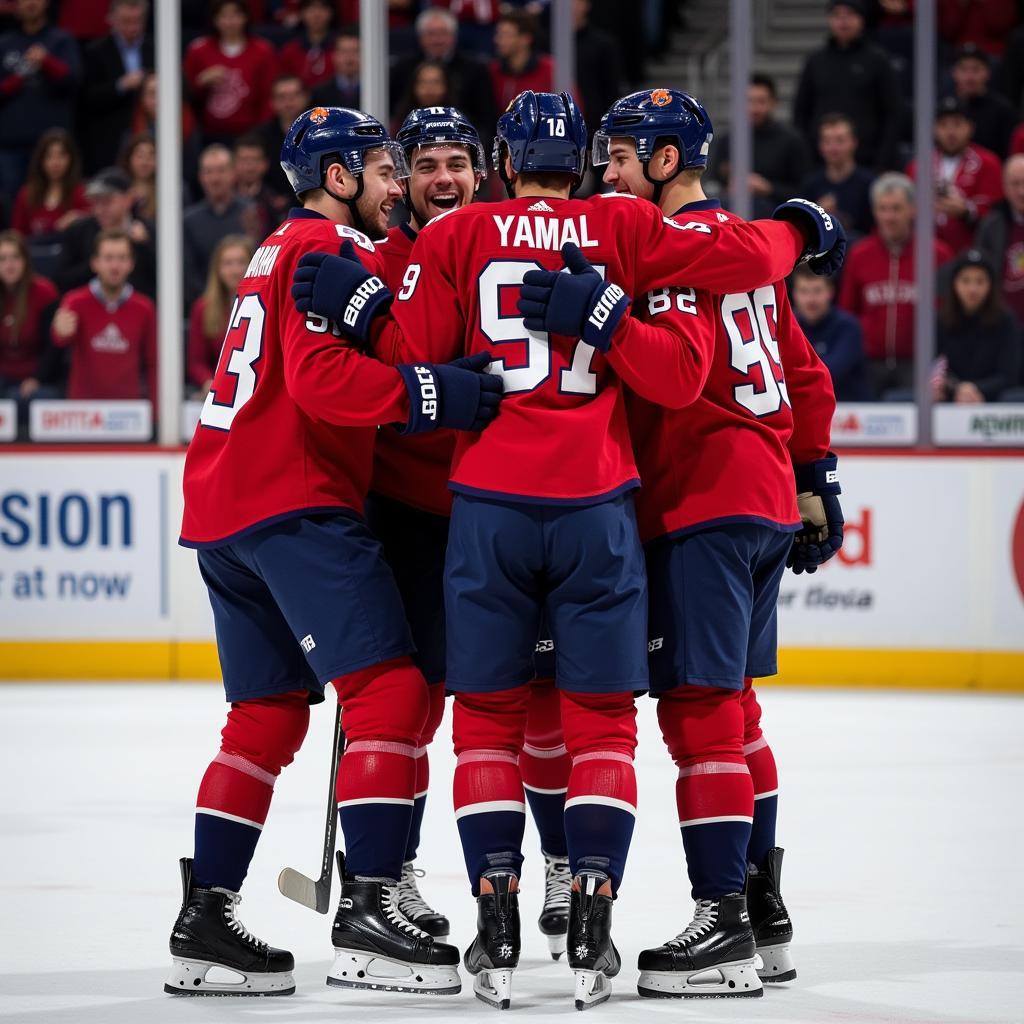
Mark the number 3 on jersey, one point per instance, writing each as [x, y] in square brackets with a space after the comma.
[750, 324]
[243, 345]
[505, 329]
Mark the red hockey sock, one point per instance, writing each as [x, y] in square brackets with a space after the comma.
[384, 708]
[545, 765]
[488, 729]
[260, 738]
[600, 806]
[765, 776]
[703, 729]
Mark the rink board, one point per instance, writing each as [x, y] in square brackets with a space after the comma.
[928, 590]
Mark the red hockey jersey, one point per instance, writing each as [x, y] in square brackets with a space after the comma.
[561, 436]
[289, 424]
[412, 469]
[728, 456]
[113, 349]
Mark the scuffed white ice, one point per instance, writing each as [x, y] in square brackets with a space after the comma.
[900, 815]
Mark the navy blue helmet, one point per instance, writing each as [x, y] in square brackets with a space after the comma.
[441, 126]
[325, 135]
[542, 132]
[653, 116]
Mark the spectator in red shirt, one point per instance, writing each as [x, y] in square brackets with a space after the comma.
[138, 161]
[968, 178]
[229, 74]
[309, 56]
[53, 196]
[208, 321]
[29, 367]
[518, 65]
[429, 88]
[109, 328]
[880, 287]
[144, 120]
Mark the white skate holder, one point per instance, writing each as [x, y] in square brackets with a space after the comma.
[199, 978]
[592, 989]
[738, 978]
[355, 969]
[494, 987]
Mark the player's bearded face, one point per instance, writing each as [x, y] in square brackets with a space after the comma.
[380, 190]
[624, 171]
[442, 179]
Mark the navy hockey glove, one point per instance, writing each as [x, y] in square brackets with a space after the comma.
[457, 394]
[817, 496]
[580, 304]
[341, 289]
[824, 235]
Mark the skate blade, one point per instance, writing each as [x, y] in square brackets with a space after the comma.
[355, 969]
[736, 980]
[592, 989]
[494, 988]
[202, 978]
[777, 964]
[556, 945]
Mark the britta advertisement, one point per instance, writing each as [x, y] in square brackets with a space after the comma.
[84, 541]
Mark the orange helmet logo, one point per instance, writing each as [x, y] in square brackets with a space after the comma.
[318, 115]
[661, 97]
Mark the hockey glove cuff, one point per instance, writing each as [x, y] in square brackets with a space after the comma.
[578, 304]
[459, 395]
[821, 533]
[341, 289]
[823, 234]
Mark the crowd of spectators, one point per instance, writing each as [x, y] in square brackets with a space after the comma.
[848, 146]
[78, 159]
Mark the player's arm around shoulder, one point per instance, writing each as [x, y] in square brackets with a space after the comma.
[664, 349]
[324, 372]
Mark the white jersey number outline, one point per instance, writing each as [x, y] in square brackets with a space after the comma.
[753, 342]
[248, 310]
[577, 379]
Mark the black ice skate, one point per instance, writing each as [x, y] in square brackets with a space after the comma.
[713, 956]
[554, 917]
[412, 904]
[590, 951]
[214, 955]
[769, 919]
[494, 954]
[376, 947]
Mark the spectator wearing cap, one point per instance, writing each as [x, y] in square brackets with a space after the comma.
[991, 113]
[840, 186]
[110, 203]
[879, 286]
[228, 74]
[986, 23]
[779, 159]
[109, 328]
[518, 64]
[115, 71]
[978, 343]
[835, 334]
[288, 98]
[1001, 237]
[850, 75]
[342, 88]
[309, 56]
[968, 178]
[469, 77]
[39, 71]
[220, 212]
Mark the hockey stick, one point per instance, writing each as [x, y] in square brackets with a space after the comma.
[296, 886]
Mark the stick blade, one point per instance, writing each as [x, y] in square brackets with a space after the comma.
[296, 886]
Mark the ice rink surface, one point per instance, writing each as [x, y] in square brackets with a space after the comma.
[901, 815]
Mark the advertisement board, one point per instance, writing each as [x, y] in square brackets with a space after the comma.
[8, 419]
[62, 421]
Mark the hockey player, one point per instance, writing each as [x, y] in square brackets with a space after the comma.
[408, 510]
[721, 518]
[274, 483]
[542, 519]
